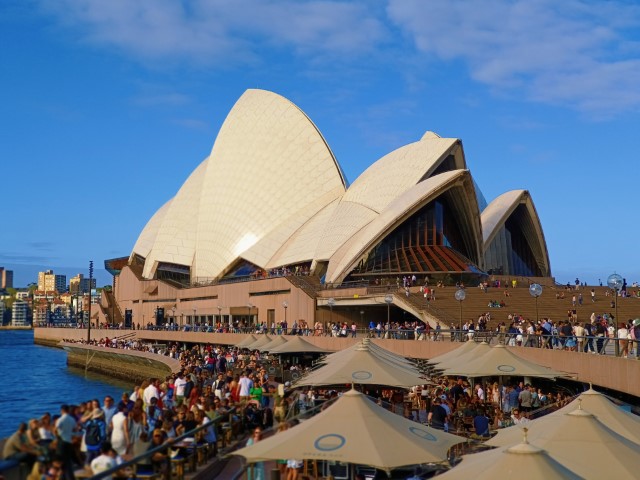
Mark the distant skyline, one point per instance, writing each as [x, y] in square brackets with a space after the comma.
[26, 274]
[109, 106]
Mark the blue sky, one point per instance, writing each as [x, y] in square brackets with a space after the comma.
[108, 106]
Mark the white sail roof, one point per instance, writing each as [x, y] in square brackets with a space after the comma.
[147, 237]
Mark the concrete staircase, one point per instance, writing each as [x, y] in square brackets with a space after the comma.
[310, 284]
[110, 307]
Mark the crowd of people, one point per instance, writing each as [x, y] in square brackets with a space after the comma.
[591, 336]
[222, 390]
[227, 392]
[454, 405]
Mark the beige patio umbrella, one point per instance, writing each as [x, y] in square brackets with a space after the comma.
[624, 423]
[522, 461]
[262, 340]
[498, 361]
[377, 350]
[583, 444]
[469, 356]
[363, 366]
[275, 342]
[463, 349]
[248, 340]
[356, 430]
[297, 344]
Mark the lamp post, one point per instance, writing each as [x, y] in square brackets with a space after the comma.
[173, 317]
[614, 282]
[250, 305]
[460, 295]
[388, 299]
[285, 305]
[89, 309]
[193, 319]
[220, 315]
[535, 290]
[331, 302]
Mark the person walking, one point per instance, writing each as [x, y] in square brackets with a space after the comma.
[120, 432]
[65, 426]
[257, 471]
[623, 338]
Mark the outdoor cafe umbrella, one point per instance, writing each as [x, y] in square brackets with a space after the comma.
[262, 340]
[522, 461]
[247, 341]
[469, 356]
[356, 430]
[343, 355]
[275, 342]
[582, 443]
[362, 366]
[463, 349]
[297, 344]
[625, 423]
[498, 361]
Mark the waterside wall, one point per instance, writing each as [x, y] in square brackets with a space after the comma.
[606, 371]
[122, 364]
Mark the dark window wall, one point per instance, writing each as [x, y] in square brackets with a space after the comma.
[429, 241]
[511, 252]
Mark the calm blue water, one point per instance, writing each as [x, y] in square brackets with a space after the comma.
[36, 380]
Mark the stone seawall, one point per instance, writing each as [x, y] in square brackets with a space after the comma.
[127, 365]
[616, 373]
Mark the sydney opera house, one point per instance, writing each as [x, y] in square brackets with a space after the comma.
[267, 224]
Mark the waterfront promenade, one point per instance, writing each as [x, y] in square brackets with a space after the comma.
[606, 371]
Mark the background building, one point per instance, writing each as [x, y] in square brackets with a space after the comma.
[79, 285]
[50, 282]
[259, 204]
[6, 278]
[266, 227]
[20, 314]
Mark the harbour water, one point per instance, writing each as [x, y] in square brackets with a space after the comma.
[36, 380]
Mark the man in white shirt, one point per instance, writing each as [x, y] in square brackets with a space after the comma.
[480, 392]
[104, 461]
[180, 385]
[518, 418]
[151, 391]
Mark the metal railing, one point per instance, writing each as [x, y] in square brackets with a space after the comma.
[164, 448]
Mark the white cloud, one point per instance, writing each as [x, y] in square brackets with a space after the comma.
[220, 31]
[584, 54]
[576, 53]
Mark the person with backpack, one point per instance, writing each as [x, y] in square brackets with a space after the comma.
[95, 434]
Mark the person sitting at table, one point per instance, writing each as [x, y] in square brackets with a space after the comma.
[159, 458]
[185, 422]
[481, 424]
[17, 447]
[208, 434]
